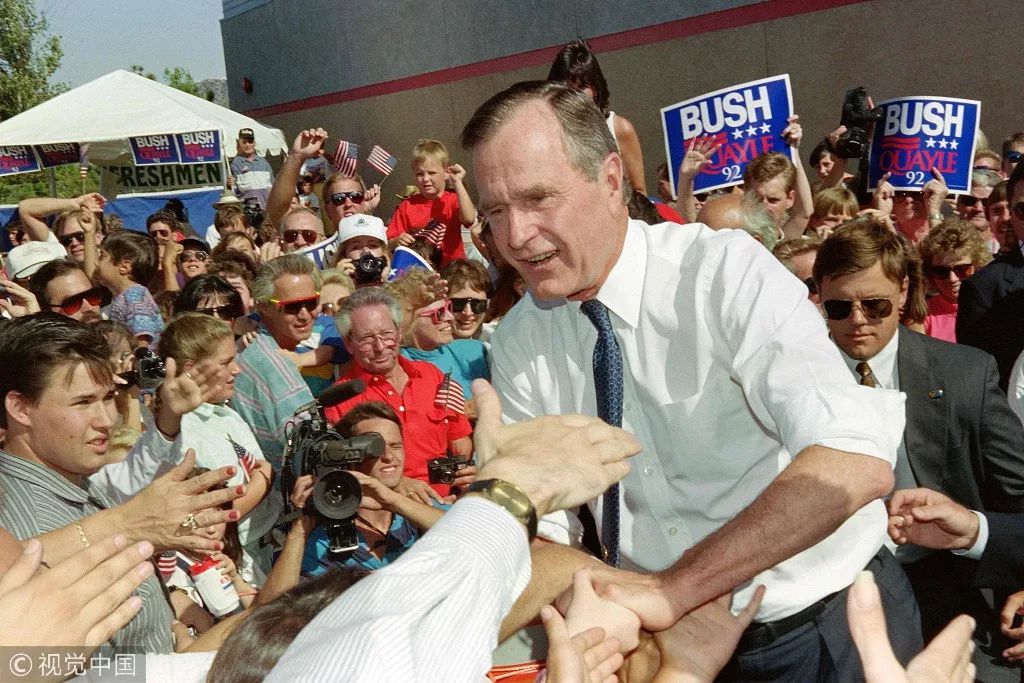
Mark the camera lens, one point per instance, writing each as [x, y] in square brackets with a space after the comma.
[337, 495]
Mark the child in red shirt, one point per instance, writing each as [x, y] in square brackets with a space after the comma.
[430, 165]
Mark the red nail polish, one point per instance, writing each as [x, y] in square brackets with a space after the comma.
[240, 490]
[231, 471]
[233, 515]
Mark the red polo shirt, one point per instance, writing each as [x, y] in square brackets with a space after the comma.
[426, 428]
[416, 211]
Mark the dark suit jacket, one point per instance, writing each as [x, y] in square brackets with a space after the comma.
[991, 313]
[1002, 563]
[962, 438]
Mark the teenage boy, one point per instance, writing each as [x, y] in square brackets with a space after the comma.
[128, 259]
[432, 169]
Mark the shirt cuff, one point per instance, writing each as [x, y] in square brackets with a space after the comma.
[976, 550]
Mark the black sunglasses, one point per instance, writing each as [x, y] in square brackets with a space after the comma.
[967, 200]
[338, 198]
[308, 236]
[873, 309]
[478, 306]
[1014, 157]
[66, 240]
[73, 304]
[962, 271]
[225, 312]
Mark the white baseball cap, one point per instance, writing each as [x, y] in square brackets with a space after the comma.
[361, 225]
[23, 261]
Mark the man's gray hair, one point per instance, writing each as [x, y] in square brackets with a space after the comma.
[985, 177]
[262, 287]
[298, 211]
[361, 298]
[585, 134]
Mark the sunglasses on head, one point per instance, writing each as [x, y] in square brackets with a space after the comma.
[438, 315]
[873, 309]
[67, 239]
[224, 312]
[308, 236]
[1014, 157]
[962, 270]
[73, 304]
[193, 255]
[293, 306]
[338, 198]
[459, 303]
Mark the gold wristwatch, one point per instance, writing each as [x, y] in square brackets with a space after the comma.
[510, 497]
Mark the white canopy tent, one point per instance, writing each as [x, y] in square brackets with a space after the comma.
[107, 111]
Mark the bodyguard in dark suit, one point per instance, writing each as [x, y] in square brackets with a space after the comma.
[991, 313]
[961, 438]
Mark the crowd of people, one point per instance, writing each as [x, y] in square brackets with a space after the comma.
[773, 432]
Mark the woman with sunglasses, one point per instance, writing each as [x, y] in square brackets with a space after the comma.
[75, 218]
[913, 212]
[184, 261]
[212, 295]
[951, 253]
[427, 332]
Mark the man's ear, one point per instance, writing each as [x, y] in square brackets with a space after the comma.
[124, 267]
[612, 171]
[17, 407]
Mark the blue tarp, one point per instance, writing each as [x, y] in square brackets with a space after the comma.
[134, 209]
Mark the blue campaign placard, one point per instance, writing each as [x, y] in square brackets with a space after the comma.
[747, 120]
[154, 149]
[917, 134]
[17, 159]
[199, 147]
[58, 154]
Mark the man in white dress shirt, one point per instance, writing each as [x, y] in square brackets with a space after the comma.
[763, 461]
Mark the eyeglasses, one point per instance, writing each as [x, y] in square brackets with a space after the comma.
[873, 309]
[338, 198]
[967, 200]
[293, 306]
[437, 315]
[1014, 157]
[308, 236]
[459, 303]
[367, 341]
[193, 255]
[160, 232]
[812, 286]
[73, 304]
[224, 312]
[962, 270]
[66, 240]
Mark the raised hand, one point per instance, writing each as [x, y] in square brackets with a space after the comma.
[934, 192]
[19, 301]
[794, 132]
[697, 156]
[372, 198]
[92, 202]
[885, 194]
[308, 143]
[457, 173]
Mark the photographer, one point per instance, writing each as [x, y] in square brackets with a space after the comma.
[362, 250]
[387, 522]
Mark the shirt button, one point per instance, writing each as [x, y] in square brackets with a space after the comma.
[391, 393]
[672, 531]
[401, 408]
[648, 470]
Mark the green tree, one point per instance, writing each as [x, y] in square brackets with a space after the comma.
[182, 80]
[28, 58]
[138, 69]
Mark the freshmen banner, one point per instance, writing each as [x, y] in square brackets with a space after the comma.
[154, 149]
[117, 180]
[18, 159]
[747, 120]
[917, 134]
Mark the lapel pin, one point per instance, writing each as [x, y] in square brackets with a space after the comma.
[936, 393]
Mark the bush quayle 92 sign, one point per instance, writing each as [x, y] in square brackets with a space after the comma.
[747, 120]
[199, 147]
[17, 159]
[917, 134]
[58, 154]
[154, 149]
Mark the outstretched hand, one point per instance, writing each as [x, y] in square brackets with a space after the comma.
[588, 657]
[932, 520]
[698, 155]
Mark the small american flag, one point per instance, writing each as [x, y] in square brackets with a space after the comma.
[450, 396]
[166, 563]
[381, 160]
[245, 457]
[83, 160]
[432, 233]
[346, 159]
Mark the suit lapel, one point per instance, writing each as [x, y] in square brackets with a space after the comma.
[925, 435]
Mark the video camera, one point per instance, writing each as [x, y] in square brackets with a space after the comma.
[369, 268]
[253, 212]
[148, 372]
[318, 450]
[857, 117]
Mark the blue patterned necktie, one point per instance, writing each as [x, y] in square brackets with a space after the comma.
[608, 385]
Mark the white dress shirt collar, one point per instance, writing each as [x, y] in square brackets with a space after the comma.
[622, 291]
[883, 364]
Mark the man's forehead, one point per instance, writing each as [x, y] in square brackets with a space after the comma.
[371, 316]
